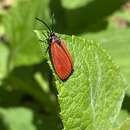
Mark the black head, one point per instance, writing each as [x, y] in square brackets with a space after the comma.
[54, 38]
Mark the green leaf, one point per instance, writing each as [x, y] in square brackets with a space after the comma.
[19, 24]
[91, 98]
[116, 42]
[4, 53]
[121, 118]
[124, 126]
[18, 118]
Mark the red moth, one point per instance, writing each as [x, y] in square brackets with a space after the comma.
[59, 54]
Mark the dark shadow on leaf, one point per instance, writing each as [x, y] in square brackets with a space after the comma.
[126, 103]
[2, 125]
[19, 99]
[22, 89]
[79, 20]
[23, 78]
[8, 97]
[50, 121]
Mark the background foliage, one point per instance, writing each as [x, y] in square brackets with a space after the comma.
[92, 98]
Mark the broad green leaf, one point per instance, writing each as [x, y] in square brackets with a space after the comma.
[17, 118]
[91, 98]
[124, 126]
[121, 118]
[117, 44]
[24, 118]
[19, 24]
[4, 53]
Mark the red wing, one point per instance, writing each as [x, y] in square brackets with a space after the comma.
[61, 60]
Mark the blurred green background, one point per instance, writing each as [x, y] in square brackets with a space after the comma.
[27, 94]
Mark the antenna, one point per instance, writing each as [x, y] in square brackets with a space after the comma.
[52, 15]
[44, 24]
